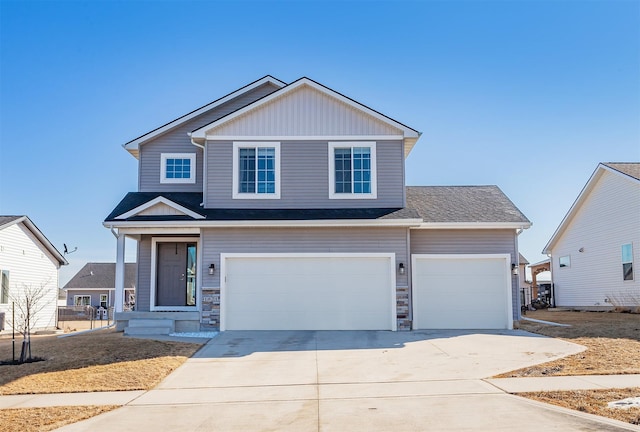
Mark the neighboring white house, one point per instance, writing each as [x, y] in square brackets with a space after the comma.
[595, 250]
[28, 261]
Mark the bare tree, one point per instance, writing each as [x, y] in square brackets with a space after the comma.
[28, 302]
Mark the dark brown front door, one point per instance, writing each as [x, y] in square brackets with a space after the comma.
[175, 277]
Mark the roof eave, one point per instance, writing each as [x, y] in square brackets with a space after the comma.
[414, 222]
[475, 225]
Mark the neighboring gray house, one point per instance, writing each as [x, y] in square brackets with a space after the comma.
[94, 285]
[284, 206]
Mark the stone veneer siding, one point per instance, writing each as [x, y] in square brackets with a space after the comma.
[210, 316]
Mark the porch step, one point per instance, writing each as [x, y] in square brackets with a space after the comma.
[149, 330]
[151, 322]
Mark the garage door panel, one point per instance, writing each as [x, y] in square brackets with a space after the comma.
[461, 292]
[309, 293]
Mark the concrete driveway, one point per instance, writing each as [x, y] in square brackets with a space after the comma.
[351, 381]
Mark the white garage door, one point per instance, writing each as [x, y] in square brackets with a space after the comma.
[308, 292]
[461, 292]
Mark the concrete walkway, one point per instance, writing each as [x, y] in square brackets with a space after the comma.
[423, 388]
[355, 381]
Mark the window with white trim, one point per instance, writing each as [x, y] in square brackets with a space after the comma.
[82, 300]
[178, 168]
[565, 261]
[627, 261]
[256, 170]
[4, 289]
[352, 170]
[103, 301]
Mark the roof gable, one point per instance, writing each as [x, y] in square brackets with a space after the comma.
[133, 146]
[160, 206]
[627, 171]
[101, 275]
[7, 221]
[311, 110]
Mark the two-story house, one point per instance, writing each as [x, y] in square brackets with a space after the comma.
[284, 206]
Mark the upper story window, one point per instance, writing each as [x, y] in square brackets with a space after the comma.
[565, 261]
[627, 262]
[178, 168]
[4, 289]
[256, 170]
[352, 170]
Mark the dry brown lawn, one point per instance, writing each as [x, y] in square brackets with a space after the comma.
[612, 341]
[593, 402]
[613, 348]
[46, 419]
[101, 361]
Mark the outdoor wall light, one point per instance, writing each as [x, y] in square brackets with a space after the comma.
[581, 249]
[401, 268]
[514, 269]
[212, 268]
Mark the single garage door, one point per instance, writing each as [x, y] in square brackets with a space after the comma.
[308, 292]
[461, 292]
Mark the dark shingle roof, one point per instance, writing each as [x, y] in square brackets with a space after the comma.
[192, 200]
[433, 204]
[102, 275]
[631, 169]
[8, 219]
[455, 204]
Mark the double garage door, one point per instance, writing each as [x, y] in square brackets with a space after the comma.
[357, 292]
[308, 292]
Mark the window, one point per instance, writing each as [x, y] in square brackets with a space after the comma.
[4, 292]
[352, 170]
[627, 262]
[82, 300]
[256, 170]
[565, 261]
[103, 301]
[178, 168]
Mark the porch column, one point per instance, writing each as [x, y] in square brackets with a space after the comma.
[119, 294]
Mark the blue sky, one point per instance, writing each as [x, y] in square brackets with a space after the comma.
[528, 95]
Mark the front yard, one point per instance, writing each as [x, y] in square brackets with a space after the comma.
[613, 348]
[100, 361]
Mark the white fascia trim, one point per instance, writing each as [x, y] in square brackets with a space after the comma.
[508, 281]
[473, 225]
[154, 273]
[236, 169]
[137, 227]
[304, 138]
[44, 241]
[582, 196]
[158, 200]
[69, 290]
[134, 146]
[202, 132]
[373, 170]
[392, 274]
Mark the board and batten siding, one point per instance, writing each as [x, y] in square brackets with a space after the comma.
[302, 240]
[304, 179]
[305, 112]
[177, 141]
[30, 265]
[485, 241]
[608, 218]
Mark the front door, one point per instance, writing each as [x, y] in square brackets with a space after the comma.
[176, 274]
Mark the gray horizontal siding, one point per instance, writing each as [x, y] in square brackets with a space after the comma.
[177, 141]
[302, 240]
[486, 241]
[305, 177]
[95, 296]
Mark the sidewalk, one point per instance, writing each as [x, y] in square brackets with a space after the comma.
[508, 385]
